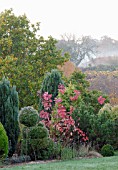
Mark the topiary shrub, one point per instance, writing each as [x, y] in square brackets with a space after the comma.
[28, 116]
[3, 142]
[38, 149]
[35, 132]
[36, 142]
[41, 124]
[107, 150]
[38, 132]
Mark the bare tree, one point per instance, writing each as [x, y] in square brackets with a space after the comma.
[79, 48]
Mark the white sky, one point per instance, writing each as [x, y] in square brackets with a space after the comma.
[79, 17]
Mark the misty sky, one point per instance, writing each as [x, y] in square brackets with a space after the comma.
[79, 17]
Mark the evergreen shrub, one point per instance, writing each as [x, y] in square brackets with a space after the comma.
[9, 110]
[3, 142]
[107, 150]
[28, 116]
[38, 132]
[50, 85]
[36, 142]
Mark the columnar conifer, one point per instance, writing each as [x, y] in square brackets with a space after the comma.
[9, 108]
[50, 85]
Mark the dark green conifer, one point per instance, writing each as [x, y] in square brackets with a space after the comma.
[9, 109]
[50, 85]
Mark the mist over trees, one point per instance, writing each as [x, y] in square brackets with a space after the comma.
[78, 48]
[107, 47]
[86, 48]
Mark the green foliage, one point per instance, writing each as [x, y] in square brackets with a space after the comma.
[79, 79]
[38, 132]
[62, 126]
[115, 119]
[32, 143]
[9, 109]
[38, 148]
[49, 152]
[25, 56]
[89, 97]
[83, 115]
[57, 150]
[104, 128]
[69, 92]
[86, 112]
[68, 153]
[36, 142]
[3, 142]
[41, 124]
[50, 85]
[106, 108]
[28, 116]
[25, 132]
[107, 150]
[112, 120]
[115, 112]
[13, 35]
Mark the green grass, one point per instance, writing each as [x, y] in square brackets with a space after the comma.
[106, 163]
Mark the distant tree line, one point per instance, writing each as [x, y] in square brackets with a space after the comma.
[86, 47]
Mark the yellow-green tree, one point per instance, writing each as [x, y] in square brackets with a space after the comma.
[25, 56]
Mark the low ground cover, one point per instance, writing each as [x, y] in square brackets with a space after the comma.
[105, 163]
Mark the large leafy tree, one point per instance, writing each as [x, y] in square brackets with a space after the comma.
[25, 56]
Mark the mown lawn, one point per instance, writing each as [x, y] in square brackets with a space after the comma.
[106, 163]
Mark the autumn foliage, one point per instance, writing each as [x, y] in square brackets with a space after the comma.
[106, 82]
[68, 68]
[61, 124]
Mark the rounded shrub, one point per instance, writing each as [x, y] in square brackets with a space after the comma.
[45, 149]
[28, 116]
[107, 150]
[38, 132]
[48, 152]
[3, 142]
[25, 132]
[34, 147]
[35, 132]
[41, 124]
[38, 144]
